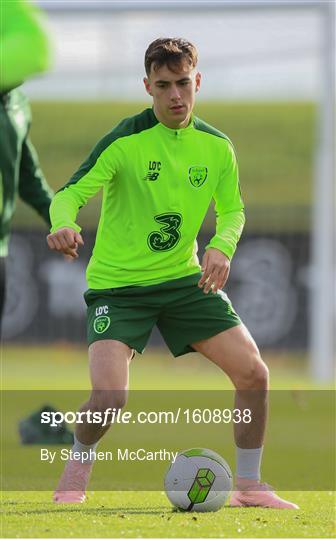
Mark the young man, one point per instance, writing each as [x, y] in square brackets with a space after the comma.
[159, 171]
[25, 51]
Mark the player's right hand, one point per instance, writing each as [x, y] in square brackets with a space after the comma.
[65, 240]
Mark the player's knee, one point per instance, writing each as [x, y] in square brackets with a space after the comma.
[254, 375]
[260, 374]
[119, 399]
[101, 400]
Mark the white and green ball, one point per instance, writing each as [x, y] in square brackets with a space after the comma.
[199, 480]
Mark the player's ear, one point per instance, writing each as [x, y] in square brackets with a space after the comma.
[147, 86]
[198, 78]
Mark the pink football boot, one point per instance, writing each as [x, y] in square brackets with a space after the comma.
[72, 485]
[253, 493]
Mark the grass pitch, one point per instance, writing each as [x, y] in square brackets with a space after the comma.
[65, 367]
[149, 514]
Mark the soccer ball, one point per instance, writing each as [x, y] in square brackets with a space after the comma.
[199, 480]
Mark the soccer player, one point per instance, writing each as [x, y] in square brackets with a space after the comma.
[159, 171]
[25, 50]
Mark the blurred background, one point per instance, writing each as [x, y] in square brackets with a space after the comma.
[267, 70]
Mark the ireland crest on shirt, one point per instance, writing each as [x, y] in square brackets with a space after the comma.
[198, 175]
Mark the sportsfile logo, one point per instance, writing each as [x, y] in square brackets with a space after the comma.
[154, 168]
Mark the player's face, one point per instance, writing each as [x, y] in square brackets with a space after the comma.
[173, 94]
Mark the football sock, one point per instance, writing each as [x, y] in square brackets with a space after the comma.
[86, 450]
[248, 462]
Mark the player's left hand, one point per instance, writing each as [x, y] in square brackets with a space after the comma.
[215, 268]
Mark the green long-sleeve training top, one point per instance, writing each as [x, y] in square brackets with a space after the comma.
[157, 186]
[20, 172]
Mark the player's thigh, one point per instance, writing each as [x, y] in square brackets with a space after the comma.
[124, 315]
[237, 354]
[109, 364]
[191, 315]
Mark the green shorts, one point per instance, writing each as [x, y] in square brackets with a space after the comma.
[181, 310]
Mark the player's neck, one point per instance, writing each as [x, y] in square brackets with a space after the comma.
[172, 125]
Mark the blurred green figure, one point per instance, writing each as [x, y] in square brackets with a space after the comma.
[25, 47]
[25, 51]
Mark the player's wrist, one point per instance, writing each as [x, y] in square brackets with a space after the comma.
[73, 226]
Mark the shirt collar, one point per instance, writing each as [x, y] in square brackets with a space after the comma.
[176, 132]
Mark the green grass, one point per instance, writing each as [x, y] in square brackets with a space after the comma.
[68, 369]
[274, 143]
[149, 515]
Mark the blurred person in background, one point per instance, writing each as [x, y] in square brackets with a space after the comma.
[159, 170]
[25, 51]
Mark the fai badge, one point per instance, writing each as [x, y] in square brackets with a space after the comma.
[101, 324]
[198, 175]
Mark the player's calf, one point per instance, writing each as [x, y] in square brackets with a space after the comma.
[103, 405]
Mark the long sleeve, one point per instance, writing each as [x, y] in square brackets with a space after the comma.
[97, 171]
[229, 207]
[33, 188]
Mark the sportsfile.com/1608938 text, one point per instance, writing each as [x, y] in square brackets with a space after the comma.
[117, 416]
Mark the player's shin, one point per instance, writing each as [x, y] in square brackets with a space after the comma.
[249, 435]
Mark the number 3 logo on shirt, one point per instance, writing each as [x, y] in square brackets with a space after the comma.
[169, 234]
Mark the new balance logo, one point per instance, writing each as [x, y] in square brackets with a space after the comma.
[153, 168]
[152, 176]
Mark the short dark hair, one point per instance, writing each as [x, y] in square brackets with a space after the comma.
[170, 52]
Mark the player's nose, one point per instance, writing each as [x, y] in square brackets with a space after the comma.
[174, 93]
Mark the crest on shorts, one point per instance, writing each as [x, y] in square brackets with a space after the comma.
[101, 324]
[198, 175]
